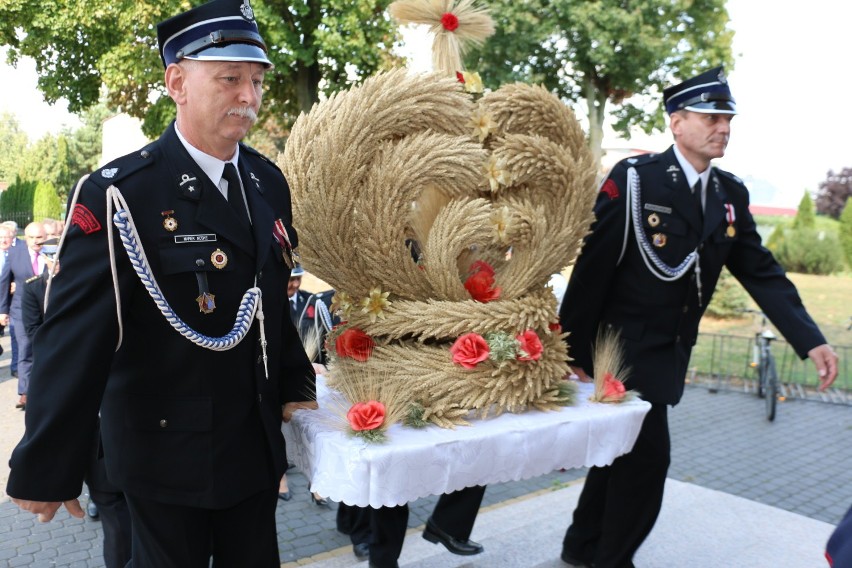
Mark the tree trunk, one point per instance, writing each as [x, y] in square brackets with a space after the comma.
[307, 85]
[596, 102]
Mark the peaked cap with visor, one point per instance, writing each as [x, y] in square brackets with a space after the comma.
[221, 30]
[706, 93]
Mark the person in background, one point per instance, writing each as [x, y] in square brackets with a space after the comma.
[191, 390]
[22, 263]
[650, 282]
[13, 366]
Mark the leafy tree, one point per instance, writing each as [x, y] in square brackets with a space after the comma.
[605, 52]
[315, 45]
[805, 217]
[834, 192]
[46, 202]
[845, 232]
[16, 203]
[13, 143]
[729, 297]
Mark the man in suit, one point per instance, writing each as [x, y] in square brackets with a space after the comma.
[666, 225]
[191, 399]
[5, 246]
[22, 263]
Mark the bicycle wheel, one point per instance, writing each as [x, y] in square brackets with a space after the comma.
[770, 386]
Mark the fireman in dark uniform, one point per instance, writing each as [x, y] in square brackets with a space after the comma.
[169, 316]
[666, 225]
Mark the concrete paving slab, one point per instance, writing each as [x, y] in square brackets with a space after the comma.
[698, 528]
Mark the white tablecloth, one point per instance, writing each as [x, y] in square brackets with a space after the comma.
[414, 463]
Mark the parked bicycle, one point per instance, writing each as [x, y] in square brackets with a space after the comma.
[764, 362]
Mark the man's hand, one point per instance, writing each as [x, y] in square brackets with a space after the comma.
[4, 319]
[46, 510]
[825, 361]
[288, 409]
[581, 375]
[319, 368]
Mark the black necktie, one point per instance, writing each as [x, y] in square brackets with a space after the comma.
[235, 193]
[696, 193]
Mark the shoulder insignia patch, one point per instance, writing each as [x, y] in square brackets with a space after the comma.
[611, 189]
[109, 173]
[85, 219]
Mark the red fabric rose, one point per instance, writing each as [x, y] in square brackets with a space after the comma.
[366, 415]
[469, 350]
[354, 343]
[480, 283]
[310, 312]
[613, 389]
[481, 266]
[555, 326]
[449, 21]
[531, 345]
[460, 77]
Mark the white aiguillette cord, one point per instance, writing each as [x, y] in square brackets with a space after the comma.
[251, 305]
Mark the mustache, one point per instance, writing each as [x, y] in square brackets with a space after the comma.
[243, 112]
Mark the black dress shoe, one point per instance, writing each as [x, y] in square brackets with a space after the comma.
[286, 496]
[92, 511]
[572, 560]
[361, 550]
[320, 501]
[457, 546]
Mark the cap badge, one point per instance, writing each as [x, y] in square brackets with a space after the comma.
[246, 11]
[721, 77]
[109, 173]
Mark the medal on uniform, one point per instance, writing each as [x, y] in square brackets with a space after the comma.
[659, 240]
[731, 216]
[169, 223]
[206, 301]
[279, 233]
[653, 219]
[219, 259]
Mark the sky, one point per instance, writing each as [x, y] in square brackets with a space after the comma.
[791, 81]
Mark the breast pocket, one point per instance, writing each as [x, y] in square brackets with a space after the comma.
[195, 257]
[667, 234]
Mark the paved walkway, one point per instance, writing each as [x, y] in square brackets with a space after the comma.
[730, 470]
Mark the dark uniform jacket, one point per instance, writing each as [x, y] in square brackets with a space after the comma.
[32, 303]
[659, 320]
[180, 423]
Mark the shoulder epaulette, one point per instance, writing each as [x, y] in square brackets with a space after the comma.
[641, 160]
[32, 278]
[254, 152]
[124, 166]
[730, 176]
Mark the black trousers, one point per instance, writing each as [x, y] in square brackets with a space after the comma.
[176, 536]
[620, 502]
[115, 522]
[384, 528]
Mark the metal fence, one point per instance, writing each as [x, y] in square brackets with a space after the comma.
[721, 361]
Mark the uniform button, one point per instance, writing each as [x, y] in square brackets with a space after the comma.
[685, 309]
[260, 275]
[260, 398]
[259, 359]
[700, 246]
[199, 262]
[145, 153]
[164, 423]
[677, 339]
